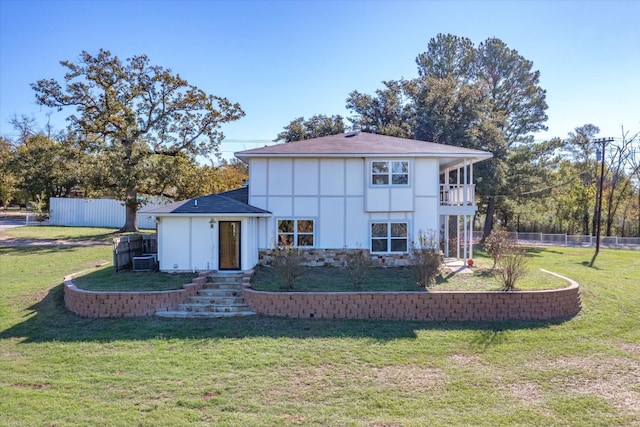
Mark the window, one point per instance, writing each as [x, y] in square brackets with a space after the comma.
[389, 237]
[390, 173]
[295, 232]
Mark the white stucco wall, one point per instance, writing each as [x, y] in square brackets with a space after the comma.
[191, 244]
[337, 194]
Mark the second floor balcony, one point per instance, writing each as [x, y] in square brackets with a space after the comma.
[457, 194]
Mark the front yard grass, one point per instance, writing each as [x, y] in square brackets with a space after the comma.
[59, 369]
[106, 279]
[399, 279]
[70, 234]
[333, 279]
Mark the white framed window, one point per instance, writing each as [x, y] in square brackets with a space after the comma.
[296, 232]
[389, 236]
[390, 172]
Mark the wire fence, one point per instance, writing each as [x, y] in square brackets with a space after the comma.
[572, 240]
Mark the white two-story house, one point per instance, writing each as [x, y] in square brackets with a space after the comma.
[348, 191]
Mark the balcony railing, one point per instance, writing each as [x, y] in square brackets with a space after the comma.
[457, 195]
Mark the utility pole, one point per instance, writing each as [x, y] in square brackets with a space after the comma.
[604, 142]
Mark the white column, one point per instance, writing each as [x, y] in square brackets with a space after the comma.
[458, 236]
[466, 238]
[471, 238]
[465, 196]
[446, 235]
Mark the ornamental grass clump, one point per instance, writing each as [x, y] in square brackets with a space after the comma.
[425, 259]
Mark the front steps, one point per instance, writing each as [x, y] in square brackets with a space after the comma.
[221, 296]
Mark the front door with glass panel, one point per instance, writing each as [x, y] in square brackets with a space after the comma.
[229, 245]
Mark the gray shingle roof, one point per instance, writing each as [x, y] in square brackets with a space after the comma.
[230, 202]
[362, 144]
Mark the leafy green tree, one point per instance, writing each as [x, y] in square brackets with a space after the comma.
[130, 112]
[581, 149]
[389, 112]
[317, 126]
[8, 178]
[518, 105]
[485, 97]
[47, 167]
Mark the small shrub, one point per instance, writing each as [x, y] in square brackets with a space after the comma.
[358, 265]
[497, 243]
[39, 206]
[512, 265]
[288, 262]
[425, 259]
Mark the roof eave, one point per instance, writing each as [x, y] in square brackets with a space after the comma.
[479, 155]
[216, 214]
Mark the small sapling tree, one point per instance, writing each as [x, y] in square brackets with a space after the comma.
[288, 262]
[512, 265]
[497, 243]
[425, 259]
[358, 265]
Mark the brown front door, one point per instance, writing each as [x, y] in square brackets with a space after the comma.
[229, 245]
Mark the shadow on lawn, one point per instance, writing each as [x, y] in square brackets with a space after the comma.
[35, 249]
[49, 320]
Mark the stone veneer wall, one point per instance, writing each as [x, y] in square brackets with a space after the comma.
[336, 258]
[440, 306]
[127, 304]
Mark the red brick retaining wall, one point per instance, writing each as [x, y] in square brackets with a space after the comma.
[127, 304]
[441, 305]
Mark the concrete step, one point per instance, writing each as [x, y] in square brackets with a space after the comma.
[221, 296]
[210, 285]
[218, 299]
[220, 292]
[225, 278]
[203, 314]
[217, 308]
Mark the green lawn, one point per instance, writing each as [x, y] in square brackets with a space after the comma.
[63, 233]
[59, 369]
[106, 279]
[330, 279]
[69, 234]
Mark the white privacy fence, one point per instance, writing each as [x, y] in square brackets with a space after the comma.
[97, 212]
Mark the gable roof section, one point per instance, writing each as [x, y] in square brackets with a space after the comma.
[232, 202]
[363, 144]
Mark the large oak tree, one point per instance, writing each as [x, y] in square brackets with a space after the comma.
[131, 114]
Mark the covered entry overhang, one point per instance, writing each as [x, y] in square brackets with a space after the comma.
[214, 232]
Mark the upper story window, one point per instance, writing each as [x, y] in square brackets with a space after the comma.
[295, 232]
[392, 172]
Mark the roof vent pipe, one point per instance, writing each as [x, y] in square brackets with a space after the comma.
[195, 203]
[357, 129]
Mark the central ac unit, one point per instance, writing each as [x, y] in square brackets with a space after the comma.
[144, 263]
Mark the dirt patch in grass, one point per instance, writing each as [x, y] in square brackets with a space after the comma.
[461, 360]
[42, 386]
[631, 348]
[409, 378]
[613, 379]
[525, 392]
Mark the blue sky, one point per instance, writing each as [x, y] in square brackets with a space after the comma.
[285, 59]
